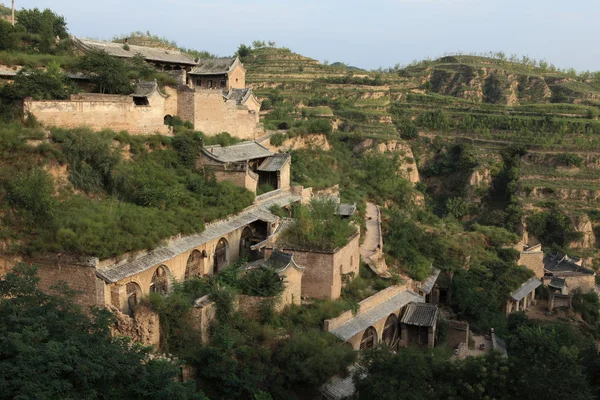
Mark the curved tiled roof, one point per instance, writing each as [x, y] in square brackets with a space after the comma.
[274, 163]
[238, 152]
[145, 89]
[149, 53]
[213, 66]
[525, 289]
[420, 314]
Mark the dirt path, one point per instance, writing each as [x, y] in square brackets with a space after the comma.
[371, 249]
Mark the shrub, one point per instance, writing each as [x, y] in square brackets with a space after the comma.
[263, 282]
[409, 132]
[277, 139]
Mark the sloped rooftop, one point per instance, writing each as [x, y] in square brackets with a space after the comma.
[213, 66]
[427, 284]
[420, 314]
[363, 320]
[238, 152]
[279, 261]
[525, 289]
[149, 53]
[130, 267]
[239, 95]
[274, 163]
[145, 89]
[559, 263]
[346, 210]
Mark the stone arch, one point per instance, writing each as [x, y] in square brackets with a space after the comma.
[245, 243]
[160, 280]
[195, 265]
[168, 120]
[390, 331]
[221, 256]
[134, 295]
[369, 339]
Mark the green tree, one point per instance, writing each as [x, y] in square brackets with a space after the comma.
[38, 84]
[50, 349]
[108, 74]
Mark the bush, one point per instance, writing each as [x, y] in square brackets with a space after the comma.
[262, 282]
[277, 139]
[409, 132]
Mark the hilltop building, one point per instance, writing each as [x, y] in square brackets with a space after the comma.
[211, 94]
[523, 297]
[248, 164]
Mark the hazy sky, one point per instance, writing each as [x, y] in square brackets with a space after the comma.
[367, 34]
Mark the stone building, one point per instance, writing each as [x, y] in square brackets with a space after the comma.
[139, 113]
[221, 73]
[212, 95]
[418, 325]
[248, 164]
[428, 288]
[531, 257]
[122, 281]
[570, 271]
[523, 297]
[376, 321]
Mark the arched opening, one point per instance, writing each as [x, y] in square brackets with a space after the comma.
[283, 126]
[221, 255]
[209, 84]
[160, 280]
[168, 120]
[134, 294]
[390, 331]
[195, 265]
[369, 339]
[245, 243]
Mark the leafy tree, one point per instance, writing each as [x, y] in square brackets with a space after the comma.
[8, 39]
[38, 84]
[244, 51]
[50, 349]
[43, 22]
[108, 74]
[554, 228]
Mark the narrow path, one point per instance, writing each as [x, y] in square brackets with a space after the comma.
[371, 249]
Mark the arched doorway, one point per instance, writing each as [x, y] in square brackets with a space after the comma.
[160, 280]
[390, 331]
[134, 295]
[195, 265]
[245, 243]
[221, 255]
[369, 339]
[168, 120]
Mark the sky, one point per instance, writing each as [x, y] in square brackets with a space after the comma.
[366, 34]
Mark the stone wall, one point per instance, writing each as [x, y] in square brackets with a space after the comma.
[202, 315]
[213, 115]
[292, 293]
[457, 332]
[284, 176]
[79, 277]
[237, 78]
[322, 277]
[99, 112]
[534, 260]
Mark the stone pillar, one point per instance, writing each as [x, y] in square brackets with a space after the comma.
[118, 298]
[431, 337]
[403, 336]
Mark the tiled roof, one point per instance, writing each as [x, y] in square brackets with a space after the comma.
[427, 284]
[346, 210]
[238, 152]
[149, 53]
[525, 289]
[279, 261]
[339, 388]
[239, 95]
[127, 268]
[561, 263]
[557, 283]
[363, 320]
[213, 66]
[145, 89]
[274, 163]
[420, 314]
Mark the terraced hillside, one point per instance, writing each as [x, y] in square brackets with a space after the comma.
[483, 105]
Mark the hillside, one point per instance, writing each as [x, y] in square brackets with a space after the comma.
[483, 104]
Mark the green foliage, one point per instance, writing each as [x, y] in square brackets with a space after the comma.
[317, 227]
[263, 282]
[588, 305]
[569, 160]
[277, 139]
[553, 228]
[45, 338]
[108, 74]
[409, 132]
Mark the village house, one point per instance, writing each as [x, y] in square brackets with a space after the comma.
[377, 319]
[418, 325]
[211, 95]
[429, 288]
[572, 275]
[531, 257]
[249, 165]
[523, 297]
